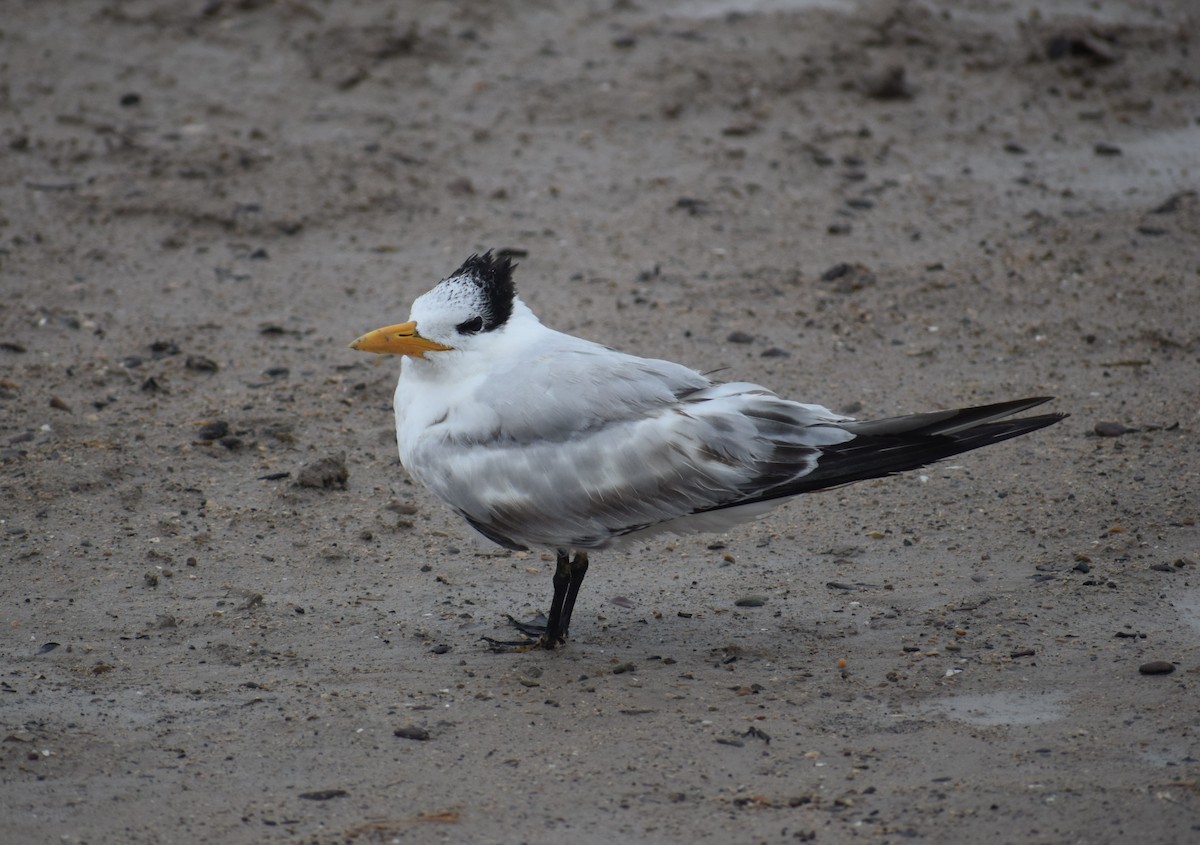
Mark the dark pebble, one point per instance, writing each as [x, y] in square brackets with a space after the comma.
[776, 352]
[692, 206]
[324, 473]
[889, 85]
[835, 272]
[131, 99]
[1151, 231]
[1172, 203]
[440, 649]
[324, 794]
[1014, 148]
[1157, 667]
[1105, 149]
[412, 732]
[1082, 566]
[214, 430]
[1111, 429]
[739, 337]
[848, 278]
[231, 442]
[47, 647]
[201, 364]
[751, 601]
[1066, 45]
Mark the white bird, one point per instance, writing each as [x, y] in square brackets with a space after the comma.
[539, 439]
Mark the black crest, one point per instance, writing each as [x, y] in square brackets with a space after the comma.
[493, 276]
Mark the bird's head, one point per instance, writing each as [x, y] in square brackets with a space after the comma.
[475, 299]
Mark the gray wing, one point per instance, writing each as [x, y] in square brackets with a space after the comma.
[617, 452]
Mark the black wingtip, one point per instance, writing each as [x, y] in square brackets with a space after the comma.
[900, 444]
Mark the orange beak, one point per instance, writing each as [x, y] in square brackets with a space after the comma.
[400, 339]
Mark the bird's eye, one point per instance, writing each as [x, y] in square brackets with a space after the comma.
[471, 326]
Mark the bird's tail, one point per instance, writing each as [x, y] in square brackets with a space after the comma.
[886, 447]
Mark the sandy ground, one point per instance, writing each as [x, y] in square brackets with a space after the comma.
[202, 203]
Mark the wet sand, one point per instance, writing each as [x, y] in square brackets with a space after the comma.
[881, 207]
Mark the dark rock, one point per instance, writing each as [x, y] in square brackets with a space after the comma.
[889, 85]
[214, 430]
[1111, 429]
[848, 278]
[200, 364]
[1157, 667]
[412, 732]
[324, 473]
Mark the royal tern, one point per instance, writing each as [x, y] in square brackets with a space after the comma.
[539, 439]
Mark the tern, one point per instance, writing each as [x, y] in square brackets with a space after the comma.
[543, 440]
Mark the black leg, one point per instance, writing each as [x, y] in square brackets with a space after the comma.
[568, 576]
[578, 570]
[556, 624]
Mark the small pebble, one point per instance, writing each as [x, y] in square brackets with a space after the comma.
[214, 430]
[201, 364]
[411, 732]
[751, 601]
[739, 337]
[1110, 429]
[891, 84]
[324, 473]
[1157, 667]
